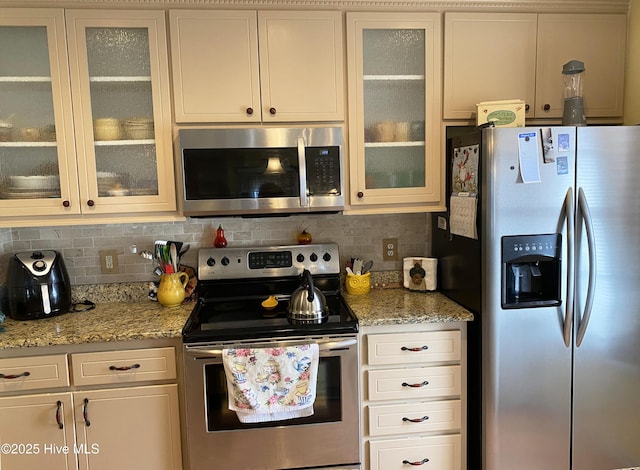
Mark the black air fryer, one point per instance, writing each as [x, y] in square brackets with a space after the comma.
[38, 285]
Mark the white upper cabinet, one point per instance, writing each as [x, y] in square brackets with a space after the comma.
[122, 111]
[498, 56]
[597, 40]
[85, 122]
[488, 57]
[37, 148]
[265, 66]
[394, 69]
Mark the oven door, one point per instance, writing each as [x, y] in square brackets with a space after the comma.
[327, 439]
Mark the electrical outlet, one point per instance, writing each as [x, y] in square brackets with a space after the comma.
[389, 249]
[109, 261]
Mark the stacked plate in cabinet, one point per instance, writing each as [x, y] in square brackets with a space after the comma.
[31, 187]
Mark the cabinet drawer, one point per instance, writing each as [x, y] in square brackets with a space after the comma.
[439, 452]
[31, 373]
[414, 418]
[419, 382]
[411, 348]
[112, 367]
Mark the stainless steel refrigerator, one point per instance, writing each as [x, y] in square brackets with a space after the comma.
[551, 267]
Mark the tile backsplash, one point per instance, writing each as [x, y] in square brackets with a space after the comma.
[80, 245]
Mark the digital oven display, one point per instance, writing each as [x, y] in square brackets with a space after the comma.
[270, 259]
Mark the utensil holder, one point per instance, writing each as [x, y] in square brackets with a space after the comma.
[358, 284]
[171, 291]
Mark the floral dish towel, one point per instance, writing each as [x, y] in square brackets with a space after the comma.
[271, 384]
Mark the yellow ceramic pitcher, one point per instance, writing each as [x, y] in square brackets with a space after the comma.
[171, 290]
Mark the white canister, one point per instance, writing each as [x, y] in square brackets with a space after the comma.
[420, 273]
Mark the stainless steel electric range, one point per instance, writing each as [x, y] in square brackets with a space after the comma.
[233, 283]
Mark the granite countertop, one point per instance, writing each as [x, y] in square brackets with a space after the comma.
[111, 321]
[393, 306]
[123, 313]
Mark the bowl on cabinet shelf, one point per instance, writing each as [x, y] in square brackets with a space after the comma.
[6, 131]
[138, 128]
[107, 129]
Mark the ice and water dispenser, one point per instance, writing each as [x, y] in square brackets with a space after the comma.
[531, 270]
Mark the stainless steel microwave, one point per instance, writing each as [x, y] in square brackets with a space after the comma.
[260, 171]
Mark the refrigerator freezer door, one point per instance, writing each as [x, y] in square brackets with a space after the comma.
[607, 362]
[527, 366]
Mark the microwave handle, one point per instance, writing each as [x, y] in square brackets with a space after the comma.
[302, 165]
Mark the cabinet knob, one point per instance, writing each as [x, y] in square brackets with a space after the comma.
[526, 108]
[250, 111]
[272, 111]
[90, 203]
[360, 194]
[546, 107]
[66, 203]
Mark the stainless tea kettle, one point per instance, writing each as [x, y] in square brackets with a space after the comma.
[307, 303]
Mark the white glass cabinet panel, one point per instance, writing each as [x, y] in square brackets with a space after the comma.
[37, 155]
[61, 72]
[121, 105]
[394, 103]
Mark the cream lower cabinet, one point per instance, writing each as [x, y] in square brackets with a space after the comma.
[525, 59]
[76, 425]
[264, 66]
[134, 427]
[414, 400]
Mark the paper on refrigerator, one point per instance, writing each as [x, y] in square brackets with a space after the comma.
[463, 212]
[463, 205]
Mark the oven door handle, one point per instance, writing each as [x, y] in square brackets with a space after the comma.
[200, 351]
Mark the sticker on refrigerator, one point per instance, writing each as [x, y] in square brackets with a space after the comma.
[563, 143]
[562, 165]
[528, 143]
[547, 145]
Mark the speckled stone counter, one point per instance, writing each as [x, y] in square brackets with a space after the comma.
[123, 313]
[108, 322]
[393, 306]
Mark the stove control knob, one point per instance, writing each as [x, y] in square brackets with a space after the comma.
[313, 257]
[326, 257]
[225, 261]
[211, 262]
[300, 258]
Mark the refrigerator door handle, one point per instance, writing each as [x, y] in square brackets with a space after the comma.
[582, 321]
[568, 316]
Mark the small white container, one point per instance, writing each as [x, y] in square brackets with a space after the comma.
[507, 113]
[420, 273]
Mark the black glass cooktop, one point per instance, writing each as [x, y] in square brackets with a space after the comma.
[230, 312]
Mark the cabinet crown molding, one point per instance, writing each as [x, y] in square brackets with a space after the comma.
[555, 6]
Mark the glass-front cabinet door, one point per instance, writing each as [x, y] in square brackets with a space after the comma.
[85, 120]
[37, 152]
[119, 78]
[394, 106]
